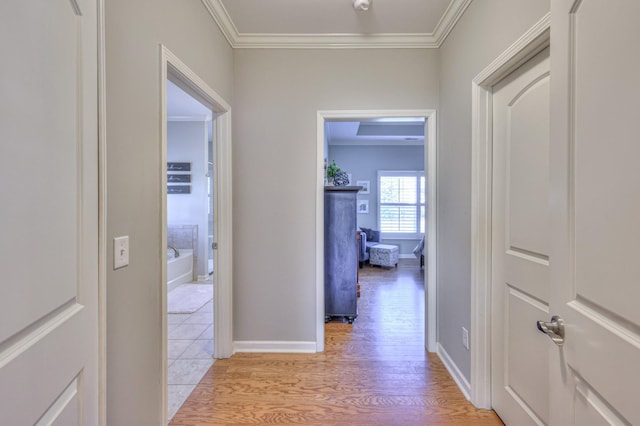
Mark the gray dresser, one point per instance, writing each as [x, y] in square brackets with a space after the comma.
[340, 253]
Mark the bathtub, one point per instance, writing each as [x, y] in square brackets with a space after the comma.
[179, 269]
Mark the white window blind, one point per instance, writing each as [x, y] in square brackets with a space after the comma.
[401, 203]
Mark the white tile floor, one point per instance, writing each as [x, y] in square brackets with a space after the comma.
[190, 352]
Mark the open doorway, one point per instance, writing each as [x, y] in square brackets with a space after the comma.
[190, 219]
[196, 220]
[369, 175]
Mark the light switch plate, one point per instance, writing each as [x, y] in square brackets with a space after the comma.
[120, 252]
[465, 338]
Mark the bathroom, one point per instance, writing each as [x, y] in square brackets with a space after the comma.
[190, 225]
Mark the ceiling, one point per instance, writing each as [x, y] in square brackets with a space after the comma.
[395, 132]
[327, 24]
[181, 106]
[335, 23]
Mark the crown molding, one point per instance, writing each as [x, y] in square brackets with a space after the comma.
[449, 19]
[239, 40]
[220, 15]
[334, 41]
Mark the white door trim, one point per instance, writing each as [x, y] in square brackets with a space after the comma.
[222, 296]
[528, 45]
[430, 260]
[102, 219]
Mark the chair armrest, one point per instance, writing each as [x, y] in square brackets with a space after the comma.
[363, 246]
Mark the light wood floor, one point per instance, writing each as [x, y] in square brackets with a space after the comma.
[374, 372]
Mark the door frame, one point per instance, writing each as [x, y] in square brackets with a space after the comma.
[430, 259]
[102, 217]
[223, 256]
[536, 39]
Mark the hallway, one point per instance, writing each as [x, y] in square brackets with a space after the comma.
[375, 372]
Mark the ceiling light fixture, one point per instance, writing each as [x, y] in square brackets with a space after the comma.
[361, 4]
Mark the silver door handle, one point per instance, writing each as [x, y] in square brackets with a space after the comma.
[553, 329]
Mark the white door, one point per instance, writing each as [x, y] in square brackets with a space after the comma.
[520, 243]
[48, 213]
[595, 207]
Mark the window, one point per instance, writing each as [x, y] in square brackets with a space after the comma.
[401, 204]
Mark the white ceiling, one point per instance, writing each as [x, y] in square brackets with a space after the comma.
[393, 132]
[335, 23]
[181, 106]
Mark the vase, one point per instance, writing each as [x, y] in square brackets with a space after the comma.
[341, 179]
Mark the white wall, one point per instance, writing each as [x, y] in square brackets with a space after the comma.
[134, 31]
[363, 162]
[187, 142]
[485, 30]
[277, 96]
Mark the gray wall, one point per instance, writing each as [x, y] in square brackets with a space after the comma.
[485, 30]
[134, 31]
[363, 162]
[187, 142]
[277, 96]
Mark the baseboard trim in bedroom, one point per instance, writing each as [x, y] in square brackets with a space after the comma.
[458, 377]
[274, 347]
[407, 256]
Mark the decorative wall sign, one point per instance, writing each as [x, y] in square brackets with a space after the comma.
[174, 178]
[178, 189]
[178, 167]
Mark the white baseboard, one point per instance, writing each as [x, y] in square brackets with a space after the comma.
[455, 372]
[274, 347]
[407, 256]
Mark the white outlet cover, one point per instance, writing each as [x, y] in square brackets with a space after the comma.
[120, 252]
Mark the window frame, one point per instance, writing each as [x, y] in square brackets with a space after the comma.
[419, 205]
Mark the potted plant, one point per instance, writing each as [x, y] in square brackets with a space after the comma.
[331, 171]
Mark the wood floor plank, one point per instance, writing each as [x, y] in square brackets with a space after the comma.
[374, 372]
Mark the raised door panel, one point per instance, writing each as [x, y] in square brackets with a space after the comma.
[524, 380]
[606, 183]
[41, 137]
[528, 169]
